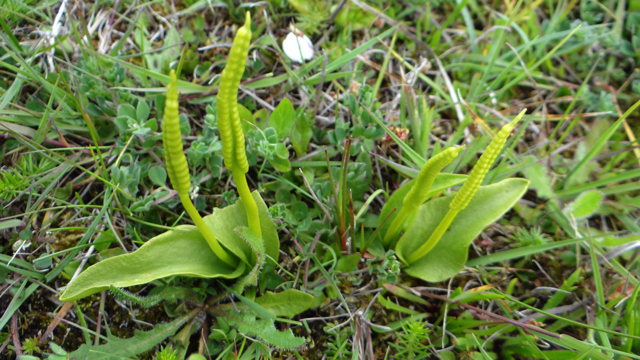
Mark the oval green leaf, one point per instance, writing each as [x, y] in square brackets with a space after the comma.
[288, 303]
[448, 257]
[584, 205]
[158, 175]
[182, 251]
[282, 118]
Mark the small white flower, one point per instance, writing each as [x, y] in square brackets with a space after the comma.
[295, 44]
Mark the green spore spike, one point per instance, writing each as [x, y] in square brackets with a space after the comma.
[418, 193]
[178, 169]
[229, 123]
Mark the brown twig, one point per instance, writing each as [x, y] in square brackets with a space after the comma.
[492, 315]
[56, 320]
[14, 334]
[103, 296]
[306, 264]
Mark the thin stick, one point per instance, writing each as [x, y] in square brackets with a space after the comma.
[103, 296]
[56, 320]
[484, 312]
[17, 346]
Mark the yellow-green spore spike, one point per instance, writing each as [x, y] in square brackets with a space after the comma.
[233, 148]
[475, 178]
[172, 141]
[469, 188]
[178, 169]
[231, 133]
[418, 193]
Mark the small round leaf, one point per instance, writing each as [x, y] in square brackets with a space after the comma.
[158, 175]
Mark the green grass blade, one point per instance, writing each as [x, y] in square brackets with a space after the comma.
[520, 252]
[597, 147]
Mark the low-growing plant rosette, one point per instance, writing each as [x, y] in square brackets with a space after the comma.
[437, 233]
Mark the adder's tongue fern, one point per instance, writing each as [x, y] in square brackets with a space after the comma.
[178, 170]
[233, 148]
[469, 188]
[418, 193]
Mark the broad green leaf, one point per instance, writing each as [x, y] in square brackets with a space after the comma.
[300, 210]
[142, 341]
[354, 17]
[182, 251]
[282, 118]
[288, 303]
[140, 38]
[282, 165]
[223, 223]
[142, 111]
[185, 127]
[304, 7]
[266, 330]
[158, 175]
[477, 294]
[584, 205]
[281, 151]
[23, 130]
[260, 118]
[448, 257]
[300, 136]
[348, 262]
[443, 181]
[127, 110]
[269, 80]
